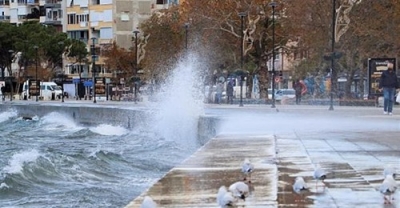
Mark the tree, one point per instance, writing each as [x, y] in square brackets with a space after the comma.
[7, 34]
[122, 61]
[77, 51]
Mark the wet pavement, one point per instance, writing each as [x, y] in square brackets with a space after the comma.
[352, 144]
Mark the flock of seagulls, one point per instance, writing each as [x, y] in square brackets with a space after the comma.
[387, 188]
[238, 190]
[225, 197]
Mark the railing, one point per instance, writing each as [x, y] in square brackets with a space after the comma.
[4, 17]
[53, 2]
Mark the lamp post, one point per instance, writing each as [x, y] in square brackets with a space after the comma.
[186, 34]
[11, 87]
[62, 73]
[333, 51]
[36, 78]
[273, 5]
[242, 15]
[93, 68]
[136, 32]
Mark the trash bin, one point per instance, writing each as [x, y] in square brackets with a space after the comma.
[53, 96]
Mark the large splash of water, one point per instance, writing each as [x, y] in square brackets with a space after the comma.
[4, 116]
[180, 103]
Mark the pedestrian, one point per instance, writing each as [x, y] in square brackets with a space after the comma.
[219, 90]
[298, 88]
[388, 84]
[3, 89]
[229, 92]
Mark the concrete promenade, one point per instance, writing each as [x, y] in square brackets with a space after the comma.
[352, 144]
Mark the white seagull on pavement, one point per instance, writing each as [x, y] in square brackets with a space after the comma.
[299, 185]
[389, 170]
[388, 187]
[319, 174]
[148, 203]
[247, 169]
[239, 190]
[224, 198]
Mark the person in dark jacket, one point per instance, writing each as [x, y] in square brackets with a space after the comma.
[388, 83]
[229, 92]
[3, 90]
[298, 88]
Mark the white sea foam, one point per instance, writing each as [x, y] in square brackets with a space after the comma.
[4, 186]
[56, 120]
[181, 103]
[109, 130]
[17, 161]
[4, 116]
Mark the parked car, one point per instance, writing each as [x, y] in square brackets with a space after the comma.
[270, 93]
[284, 93]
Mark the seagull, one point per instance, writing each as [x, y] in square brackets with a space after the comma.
[247, 169]
[299, 185]
[389, 170]
[148, 203]
[239, 190]
[388, 187]
[319, 174]
[224, 198]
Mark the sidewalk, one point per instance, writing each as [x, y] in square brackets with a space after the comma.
[352, 144]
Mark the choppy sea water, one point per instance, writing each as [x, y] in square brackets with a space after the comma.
[54, 162]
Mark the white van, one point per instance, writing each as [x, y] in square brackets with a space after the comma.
[48, 90]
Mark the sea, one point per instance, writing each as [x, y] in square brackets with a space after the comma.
[52, 161]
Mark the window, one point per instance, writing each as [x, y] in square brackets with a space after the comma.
[71, 19]
[160, 2]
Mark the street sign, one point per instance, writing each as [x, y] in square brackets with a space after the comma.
[76, 80]
[88, 83]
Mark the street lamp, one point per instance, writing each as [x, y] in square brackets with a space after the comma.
[62, 73]
[136, 32]
[242, 15]
[333, 51]
[93, 68]
[11, 87]
[186, 34]
[36, 79]
[273, 5]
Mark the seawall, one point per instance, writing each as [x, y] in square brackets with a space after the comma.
[91, 114]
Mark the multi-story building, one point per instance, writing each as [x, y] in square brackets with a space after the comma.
[51, 13]
[105, 21]
[18, 11]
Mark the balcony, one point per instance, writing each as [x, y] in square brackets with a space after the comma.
[28, 2]
[4, 18]
[53, 21]
[52, 4]
[53, 17]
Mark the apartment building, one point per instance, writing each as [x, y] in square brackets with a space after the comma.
[51, 13]
[18, 11]
[106, 21]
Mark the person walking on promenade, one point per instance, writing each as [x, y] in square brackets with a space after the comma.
[229, 92]
[299, 89]
[3, 90]
[219, 90]
[388, 83]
